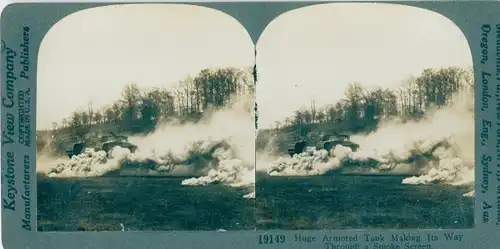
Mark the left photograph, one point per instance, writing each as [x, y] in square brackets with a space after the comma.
[145, 121]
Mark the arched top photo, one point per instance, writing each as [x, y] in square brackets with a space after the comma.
[360, 103]
[147, 108]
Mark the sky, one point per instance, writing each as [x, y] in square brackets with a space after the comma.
[91, 55]
[313, 53]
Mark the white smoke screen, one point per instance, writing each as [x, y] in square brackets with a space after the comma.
[436, 149]
[220, 148]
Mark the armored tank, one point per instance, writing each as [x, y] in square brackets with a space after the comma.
[75, 149]
[296, 143]
[330, 141]
[104, 143]
[319, 141]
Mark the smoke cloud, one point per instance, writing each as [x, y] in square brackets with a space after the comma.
[219, 148]
[438, 148]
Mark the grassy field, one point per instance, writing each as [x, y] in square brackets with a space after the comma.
[357, 201]
[318, 202]
[140, 203]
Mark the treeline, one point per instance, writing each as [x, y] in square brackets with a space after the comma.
[362, 109]
[140, 111]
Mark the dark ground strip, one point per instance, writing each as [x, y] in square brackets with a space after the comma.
[354, 201]
[150, 203]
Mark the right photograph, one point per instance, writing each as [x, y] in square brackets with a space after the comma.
[365, 120]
